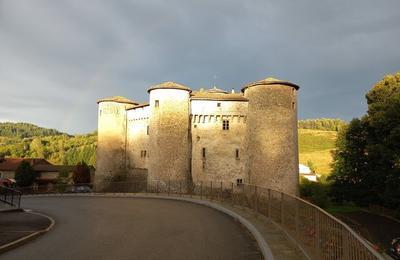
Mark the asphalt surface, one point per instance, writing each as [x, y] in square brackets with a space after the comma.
[17, 224]
[134, 228]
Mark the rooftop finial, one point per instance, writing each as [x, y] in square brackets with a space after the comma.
[215, 81]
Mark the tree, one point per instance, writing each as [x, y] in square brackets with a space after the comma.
[367, 159]
[37, 148]
[81, 173]
[384, 137]
[25, 175]
[63, 179]
[350, 168]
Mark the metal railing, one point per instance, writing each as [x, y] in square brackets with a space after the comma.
[319, 234]
[10, 196]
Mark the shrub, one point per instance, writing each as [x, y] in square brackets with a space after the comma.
[315, 192]
[25, 175]
[81, 173]
[63, 180]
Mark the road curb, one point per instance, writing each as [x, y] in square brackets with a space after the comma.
[26, 239]
[262, 244]
[11, 210]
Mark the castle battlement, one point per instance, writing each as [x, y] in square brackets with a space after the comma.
[204, 135]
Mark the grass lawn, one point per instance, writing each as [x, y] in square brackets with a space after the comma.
[316, 146]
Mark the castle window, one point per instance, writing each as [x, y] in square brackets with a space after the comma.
[218, 104]
[237, 154]
[293, 105]
[239, 181]
[144, 153]
[225, 124]
[156, 103]
[148, 130]
[203, 152]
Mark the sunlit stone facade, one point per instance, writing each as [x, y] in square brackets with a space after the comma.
[205, 135]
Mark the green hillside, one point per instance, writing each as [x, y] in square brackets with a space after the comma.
[315, 146]
[24, 130]
[317, 139]
[27, 140]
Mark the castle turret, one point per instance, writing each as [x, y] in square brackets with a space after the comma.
[111, 139]
[169, 156]
[271, 136]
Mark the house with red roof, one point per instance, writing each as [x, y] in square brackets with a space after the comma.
[46, 171]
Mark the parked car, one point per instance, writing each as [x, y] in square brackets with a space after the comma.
[79, 189]
[394, 250]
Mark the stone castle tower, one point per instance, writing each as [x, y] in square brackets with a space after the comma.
[271, 136]
[112, 137]
[169, 132]
[205, 135]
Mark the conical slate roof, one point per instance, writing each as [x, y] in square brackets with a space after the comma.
[169, 85]
[270, 81]
[117, 99]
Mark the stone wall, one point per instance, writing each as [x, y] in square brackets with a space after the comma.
[219, 161]
[138, 137]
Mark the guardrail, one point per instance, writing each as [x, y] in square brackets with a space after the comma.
[10, 196]
[319, 234]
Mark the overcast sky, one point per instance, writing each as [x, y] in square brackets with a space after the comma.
[58, 57]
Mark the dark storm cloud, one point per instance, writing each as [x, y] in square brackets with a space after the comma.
[58, 57]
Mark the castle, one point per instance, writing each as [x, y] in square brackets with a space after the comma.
[205, 135]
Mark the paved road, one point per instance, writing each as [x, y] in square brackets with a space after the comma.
[17, 224]
[134, 228]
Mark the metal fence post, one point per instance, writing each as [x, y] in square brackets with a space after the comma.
[220, 193]
[243, 194]
[269, 204]
[201, 190]
[297, 219]
[180, 188]
[282, 209]
[255, 199]
[211, 190]
[157, 188]
[346, 244]
[169, 186]
[317, 234]
[232, 194]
